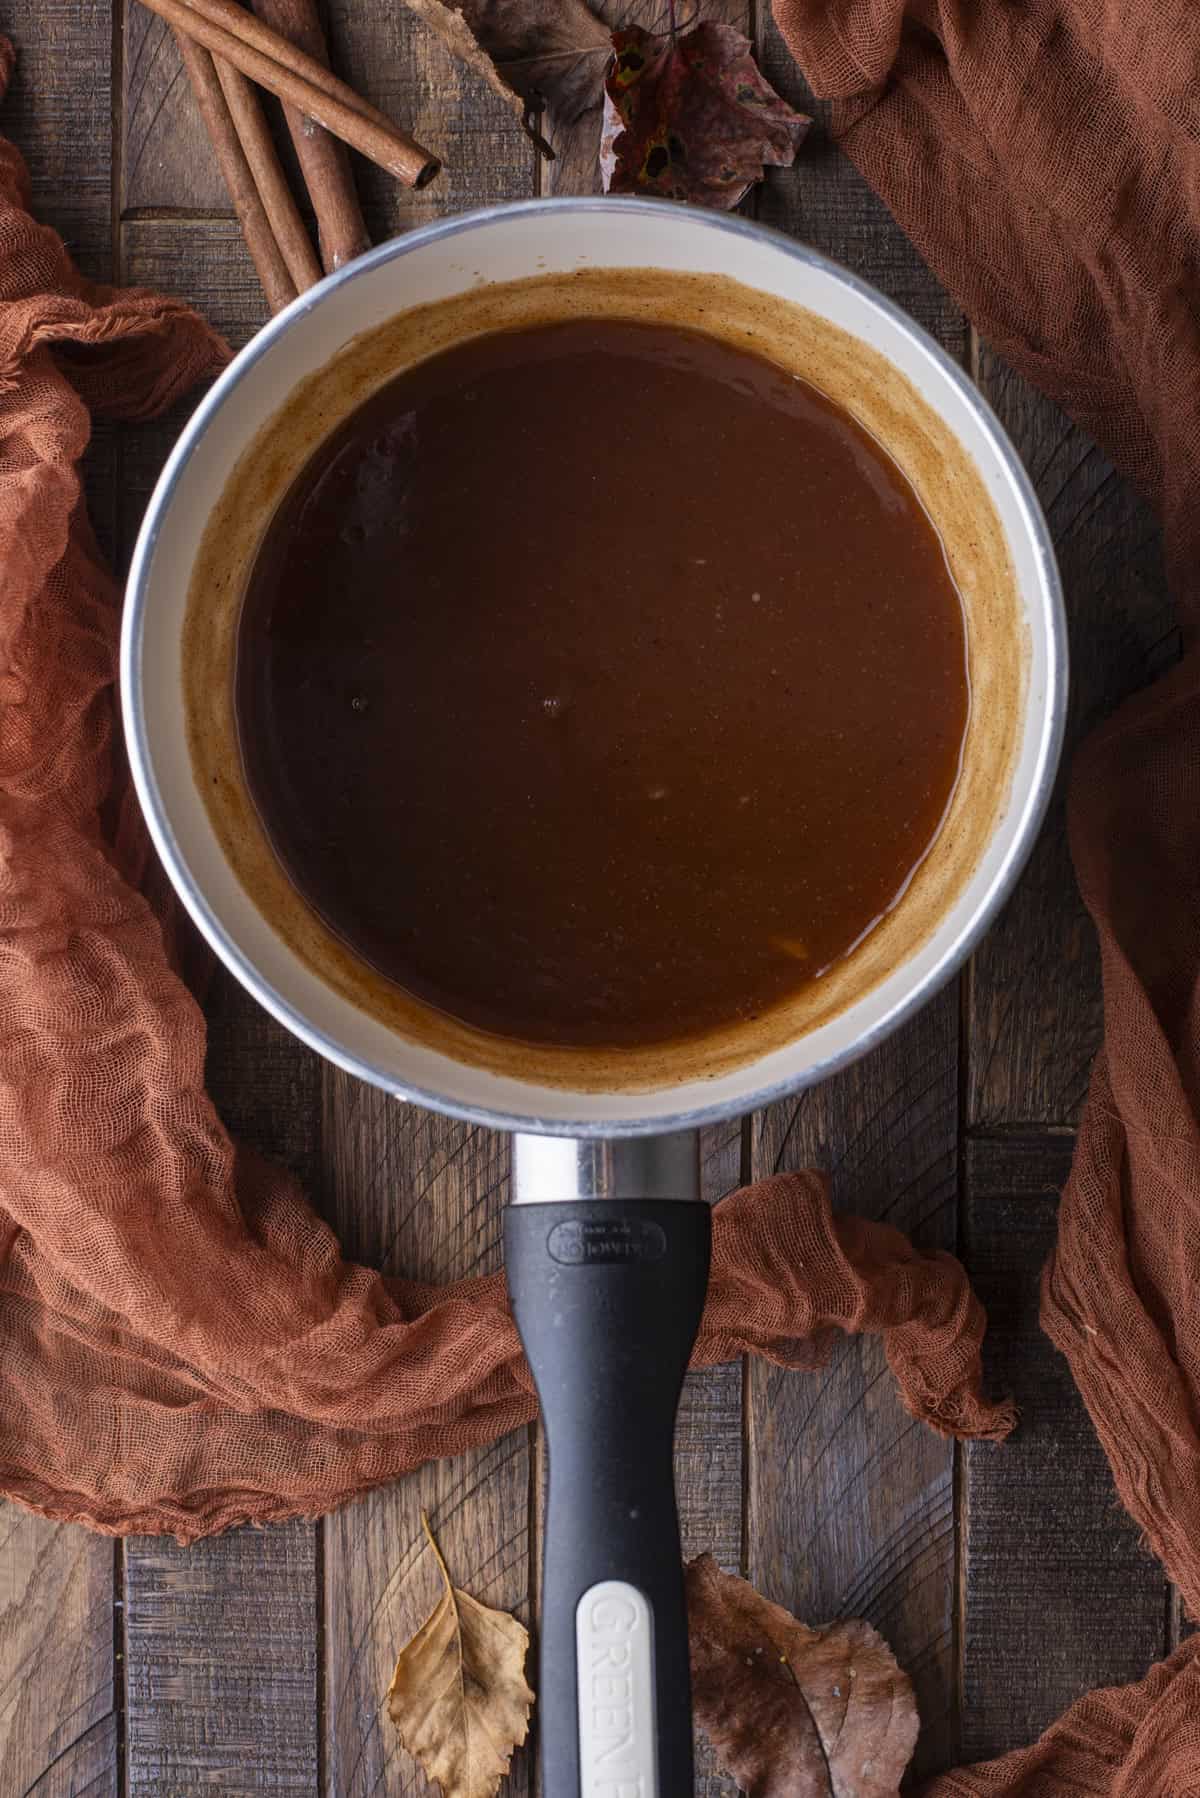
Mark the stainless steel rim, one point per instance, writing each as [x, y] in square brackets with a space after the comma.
[191, 892]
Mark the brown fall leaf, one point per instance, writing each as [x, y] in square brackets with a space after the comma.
[795, 1712]
[533, 53]
[459, 1697]
[689, 116]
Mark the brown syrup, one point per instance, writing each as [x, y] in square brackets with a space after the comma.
[600, 683]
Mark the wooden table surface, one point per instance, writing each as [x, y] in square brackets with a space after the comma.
[1007, 1580]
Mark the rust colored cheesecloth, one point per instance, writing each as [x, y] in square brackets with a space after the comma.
[182, 1346]
[1044, 155]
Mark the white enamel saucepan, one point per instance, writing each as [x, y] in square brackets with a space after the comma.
[607, 1240]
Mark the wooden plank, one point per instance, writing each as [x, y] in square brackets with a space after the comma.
[58, 1715]
[205, 262]
[421, 1194]
[825, 201]
[58, 114]
[851, 1501]
[709, 1436]
[222, 1637]
[168, 163]
[1035, 1003]
[1179, 1624]
[1018, 1164]
[387, 54]
[1060, 1595]
[59, 1729]
[167, 166]
[221, 1664]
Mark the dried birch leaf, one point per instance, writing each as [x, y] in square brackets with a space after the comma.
[458, 1697]
[795, 1712]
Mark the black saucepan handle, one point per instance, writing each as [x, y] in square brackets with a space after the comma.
[607, 1295]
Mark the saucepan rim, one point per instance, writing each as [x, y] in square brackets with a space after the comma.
[1032, 806]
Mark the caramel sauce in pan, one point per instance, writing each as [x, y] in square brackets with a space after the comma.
[600, 683]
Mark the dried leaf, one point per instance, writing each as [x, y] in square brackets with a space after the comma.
[795, 1712]
[458, 1696]
[688, 116]
[533, 53]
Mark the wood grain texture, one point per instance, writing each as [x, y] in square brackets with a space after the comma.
[421, 1194]
[824, 201]
[1034, 988]
[222, 1638]
[168, 165]
[385, 53]
[59, 1697]
[710, 1437]
[58, 112]
[1059, 1594]
[851, 1501]
[214, 85]
[205, 262]
[708, 1434]
[58, 1719]
[168, 161]
[221, 1664]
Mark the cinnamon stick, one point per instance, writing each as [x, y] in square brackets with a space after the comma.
[274, 192]
[323, 159]
[257, 229]
[225, 30]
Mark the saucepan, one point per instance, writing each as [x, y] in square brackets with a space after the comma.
[607, 1239]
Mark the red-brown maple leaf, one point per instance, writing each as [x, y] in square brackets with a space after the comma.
[699, 120]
